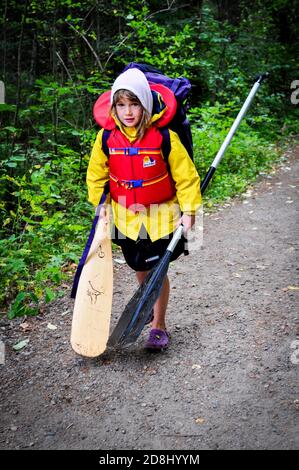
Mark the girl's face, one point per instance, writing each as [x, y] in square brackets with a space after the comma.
[129, 112]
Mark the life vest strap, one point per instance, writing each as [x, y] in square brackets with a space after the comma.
[132, 151]
[133, 184]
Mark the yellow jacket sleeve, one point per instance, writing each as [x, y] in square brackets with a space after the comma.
[185, 176]
[97, 172]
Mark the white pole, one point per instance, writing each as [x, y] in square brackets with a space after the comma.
[236, 124]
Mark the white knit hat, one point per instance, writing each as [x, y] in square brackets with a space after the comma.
[135, 81]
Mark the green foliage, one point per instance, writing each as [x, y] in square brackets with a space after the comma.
[22, 305]
[57, 58]
[248, 155]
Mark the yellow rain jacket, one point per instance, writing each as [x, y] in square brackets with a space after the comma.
[160, 219]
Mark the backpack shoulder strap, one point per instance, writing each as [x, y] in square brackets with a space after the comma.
[105, 137]
[166, 147]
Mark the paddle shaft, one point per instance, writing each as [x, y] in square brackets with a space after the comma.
[231, 132]
[178, 233]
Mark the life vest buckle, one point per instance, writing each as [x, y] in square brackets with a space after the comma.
[131, 151]
[137, 183]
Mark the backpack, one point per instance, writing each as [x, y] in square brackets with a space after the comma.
[179, 124]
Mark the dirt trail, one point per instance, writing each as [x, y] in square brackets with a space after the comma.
[230, 377]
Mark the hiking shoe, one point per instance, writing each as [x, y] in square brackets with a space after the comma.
[157, 340]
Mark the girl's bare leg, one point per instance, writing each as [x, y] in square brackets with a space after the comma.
[161, 303]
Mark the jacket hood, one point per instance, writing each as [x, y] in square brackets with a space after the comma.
[164, 107]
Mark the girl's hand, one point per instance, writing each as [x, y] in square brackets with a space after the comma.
[188, 221]
[103, 212]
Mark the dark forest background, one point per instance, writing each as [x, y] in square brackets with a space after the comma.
[57, 56]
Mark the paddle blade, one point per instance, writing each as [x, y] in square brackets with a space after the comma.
[139, 309]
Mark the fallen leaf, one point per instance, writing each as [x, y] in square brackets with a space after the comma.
[296, 403]
[65, 313]
[285, 289]
[200, 420]
[119, 261]
[25, 326]
[51, 327]
[20, 345]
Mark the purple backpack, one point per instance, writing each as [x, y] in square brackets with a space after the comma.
[181, 88]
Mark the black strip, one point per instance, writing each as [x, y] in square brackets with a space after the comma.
[105, 137]
[165, 147]
[207, 179]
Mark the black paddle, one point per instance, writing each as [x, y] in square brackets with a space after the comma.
[138, 311]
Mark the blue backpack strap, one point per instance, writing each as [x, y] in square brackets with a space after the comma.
[105, 137]
[166, 147]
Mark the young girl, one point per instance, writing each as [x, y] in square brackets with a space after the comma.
[150, 197]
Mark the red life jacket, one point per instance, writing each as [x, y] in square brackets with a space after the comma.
[138, 173]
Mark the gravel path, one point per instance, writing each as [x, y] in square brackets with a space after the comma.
[229, 379]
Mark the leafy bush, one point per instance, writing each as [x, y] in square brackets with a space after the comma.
[47, 127]
[248, 154]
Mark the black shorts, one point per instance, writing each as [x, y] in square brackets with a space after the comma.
[136, 252]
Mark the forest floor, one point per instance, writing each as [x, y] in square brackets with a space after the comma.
[229, 379]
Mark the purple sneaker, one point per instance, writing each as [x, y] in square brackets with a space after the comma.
[157, 340]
